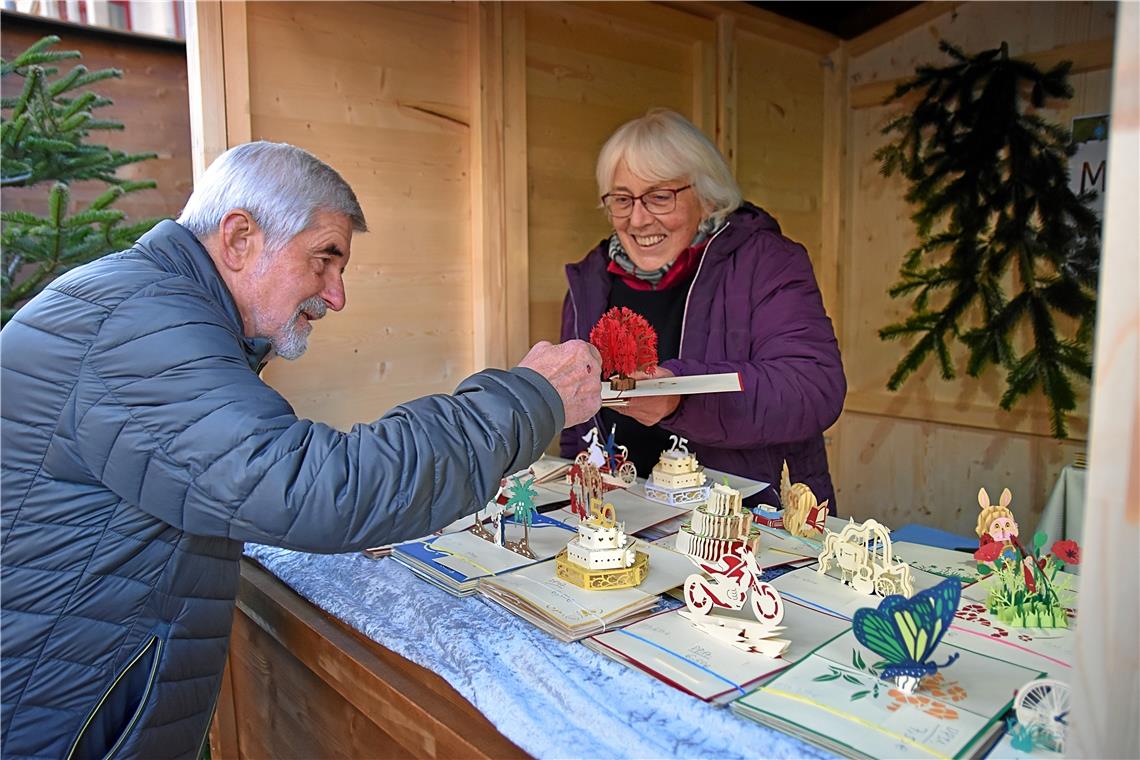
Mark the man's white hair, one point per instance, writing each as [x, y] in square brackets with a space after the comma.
[280, 185]
[663, 145]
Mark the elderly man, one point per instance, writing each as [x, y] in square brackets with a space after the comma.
[140, 449]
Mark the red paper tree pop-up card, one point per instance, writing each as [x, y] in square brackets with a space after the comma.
[627, 344]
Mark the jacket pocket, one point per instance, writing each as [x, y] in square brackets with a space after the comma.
[121, 705]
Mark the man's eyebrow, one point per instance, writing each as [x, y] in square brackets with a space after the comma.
[332, 249]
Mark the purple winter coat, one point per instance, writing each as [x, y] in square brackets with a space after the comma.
[753, 307]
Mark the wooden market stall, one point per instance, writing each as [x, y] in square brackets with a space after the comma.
[469, 132]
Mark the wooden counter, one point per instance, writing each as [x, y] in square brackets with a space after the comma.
[301, 684]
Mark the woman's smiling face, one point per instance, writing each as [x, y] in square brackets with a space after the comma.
[654, 240]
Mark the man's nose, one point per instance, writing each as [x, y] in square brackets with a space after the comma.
[333, 293]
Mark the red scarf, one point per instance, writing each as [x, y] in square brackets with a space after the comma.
[678, 271]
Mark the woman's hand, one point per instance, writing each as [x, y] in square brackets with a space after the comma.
[649, 410]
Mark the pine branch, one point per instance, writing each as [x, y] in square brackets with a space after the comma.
[989, 186]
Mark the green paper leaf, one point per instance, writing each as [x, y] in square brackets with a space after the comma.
[1039, 539]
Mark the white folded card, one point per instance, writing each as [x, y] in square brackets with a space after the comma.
[725, 382]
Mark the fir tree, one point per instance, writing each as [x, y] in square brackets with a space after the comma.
[989, 181]
[43, 138]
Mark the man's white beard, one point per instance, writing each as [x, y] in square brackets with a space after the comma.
[293, 338]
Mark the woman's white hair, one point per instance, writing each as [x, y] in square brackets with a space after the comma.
[280, 185]
[663, 145]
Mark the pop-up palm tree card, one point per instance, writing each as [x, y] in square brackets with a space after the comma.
[522, 509]
[1028, 589]
[732, 583]
[602, 556]
[803, 515]
[863, 554]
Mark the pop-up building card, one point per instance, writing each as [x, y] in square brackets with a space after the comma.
[1026, 591]
[677, 478]
[602, 556]
[627, 344]
[863, 554]
[734, 581]
[716, 526]
[905, 632]
[803, 515]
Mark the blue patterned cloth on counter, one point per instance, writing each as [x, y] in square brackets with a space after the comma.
[554, 700]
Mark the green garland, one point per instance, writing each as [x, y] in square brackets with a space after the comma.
[989, 182]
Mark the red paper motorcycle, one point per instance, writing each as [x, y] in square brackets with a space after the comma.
[735, 580]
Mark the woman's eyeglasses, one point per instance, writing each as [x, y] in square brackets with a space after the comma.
[661, 201]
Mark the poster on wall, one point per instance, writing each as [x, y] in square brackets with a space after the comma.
[1088, 165]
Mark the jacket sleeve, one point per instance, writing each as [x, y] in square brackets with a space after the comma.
[173, 420]
[570, 442]
[793, 377]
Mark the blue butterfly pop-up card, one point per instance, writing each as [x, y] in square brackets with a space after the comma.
[905, 632]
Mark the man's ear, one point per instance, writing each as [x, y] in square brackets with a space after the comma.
[239, 239]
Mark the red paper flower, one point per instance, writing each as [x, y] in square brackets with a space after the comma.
[626, 342]
[1068, 552]
[989, 552]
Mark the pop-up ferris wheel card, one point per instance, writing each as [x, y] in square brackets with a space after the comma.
[733, 582]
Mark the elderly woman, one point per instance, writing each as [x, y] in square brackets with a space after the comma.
[726, 292]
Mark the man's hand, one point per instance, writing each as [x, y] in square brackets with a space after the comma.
[574, 369]
[649, 410]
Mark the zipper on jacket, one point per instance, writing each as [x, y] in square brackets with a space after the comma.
[693, 284]
[154, 641]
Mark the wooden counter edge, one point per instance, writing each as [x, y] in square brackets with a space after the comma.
[415, 706]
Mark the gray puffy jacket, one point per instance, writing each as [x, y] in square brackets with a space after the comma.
[140, 449]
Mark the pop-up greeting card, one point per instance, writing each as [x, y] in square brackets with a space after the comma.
[732, 582]
[602, 556]
[905, 632]
[1027, 587]
[627, 344]
[677, 478]
[863, 554]
[803, 515]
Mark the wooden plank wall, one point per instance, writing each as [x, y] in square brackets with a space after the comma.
[589, 69]
[381, 92]
[150, 100]
[921, 454]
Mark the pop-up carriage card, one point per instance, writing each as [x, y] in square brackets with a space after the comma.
[864, 557]
[1026, 590]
